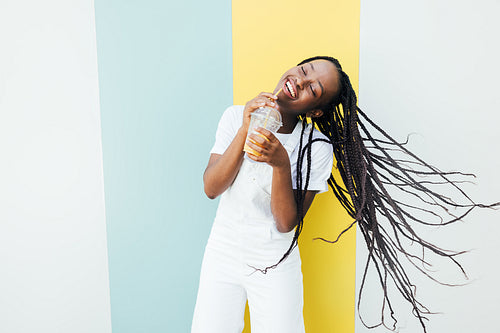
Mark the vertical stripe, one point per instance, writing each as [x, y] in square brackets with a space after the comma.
[431, 68]
[165, 79]
[53, 257]
[268, 38]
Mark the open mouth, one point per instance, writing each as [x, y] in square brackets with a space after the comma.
[289, 89]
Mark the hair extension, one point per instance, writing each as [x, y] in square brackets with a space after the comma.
[372, 171]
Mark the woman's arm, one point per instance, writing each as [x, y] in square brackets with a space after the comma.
[283, 205]
[222, 169]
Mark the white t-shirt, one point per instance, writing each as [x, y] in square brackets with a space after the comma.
[321, 154]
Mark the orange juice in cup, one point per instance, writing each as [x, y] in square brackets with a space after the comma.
[265, 117]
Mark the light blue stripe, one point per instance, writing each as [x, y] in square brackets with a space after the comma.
[165, 75]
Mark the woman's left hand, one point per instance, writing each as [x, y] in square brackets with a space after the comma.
[269, 147]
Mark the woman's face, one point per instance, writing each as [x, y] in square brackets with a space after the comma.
[307, 87]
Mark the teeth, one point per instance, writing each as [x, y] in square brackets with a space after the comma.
[290, 88]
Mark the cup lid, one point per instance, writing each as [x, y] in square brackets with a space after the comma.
[269, 113]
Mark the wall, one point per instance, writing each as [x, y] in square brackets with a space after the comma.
[165, 79]
[53, 256]
[266, 43]
[165, 76]
[430, 67]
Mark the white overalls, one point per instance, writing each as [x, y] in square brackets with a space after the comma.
[243, 236]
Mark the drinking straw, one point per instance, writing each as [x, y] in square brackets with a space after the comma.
[265, 122]
[278, 91]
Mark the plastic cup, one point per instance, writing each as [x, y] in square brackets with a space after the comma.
[265, 117]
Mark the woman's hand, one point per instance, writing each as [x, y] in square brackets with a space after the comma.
[283, 205]
[263, 99]
[269, 149]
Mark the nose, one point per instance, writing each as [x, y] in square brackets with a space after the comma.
[303, 82]
[300, 82]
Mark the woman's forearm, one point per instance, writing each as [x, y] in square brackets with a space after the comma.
[222, 169]
[283, 205]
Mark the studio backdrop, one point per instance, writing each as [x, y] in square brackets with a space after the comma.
[108, 111]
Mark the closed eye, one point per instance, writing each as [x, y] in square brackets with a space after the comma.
[310, 86]
[312, 90]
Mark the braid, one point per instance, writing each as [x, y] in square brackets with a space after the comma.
[299, 194]
[370, 174]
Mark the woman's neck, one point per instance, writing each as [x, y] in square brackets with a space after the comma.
[289, 122]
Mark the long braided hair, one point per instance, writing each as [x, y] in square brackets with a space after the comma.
[376, 172]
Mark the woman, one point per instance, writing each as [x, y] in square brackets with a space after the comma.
[251, 253]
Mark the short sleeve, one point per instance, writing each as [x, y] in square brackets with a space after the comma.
[321, 167]
[228, 126]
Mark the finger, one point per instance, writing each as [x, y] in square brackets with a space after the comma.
[258, 149]
[251, 153]
[258, 102]
[253, 157]
[247, 148]
[268, 95]
[266, 133]
[259, 139]
[262, 101]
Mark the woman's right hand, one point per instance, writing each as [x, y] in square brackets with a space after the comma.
[262, 99]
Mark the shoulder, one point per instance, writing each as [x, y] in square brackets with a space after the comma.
[318, 135]
[234, 112]
[228, 126]
[321, 162]
[235, 108]
[321, 145]
[232, 117]
[321, 149]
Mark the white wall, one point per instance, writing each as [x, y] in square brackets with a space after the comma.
[53, 257]
[432, 67]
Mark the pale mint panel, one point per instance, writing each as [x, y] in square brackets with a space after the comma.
[165, 76]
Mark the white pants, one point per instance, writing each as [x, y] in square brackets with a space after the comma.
[227, 280]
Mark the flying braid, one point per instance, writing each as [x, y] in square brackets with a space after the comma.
[375, 174]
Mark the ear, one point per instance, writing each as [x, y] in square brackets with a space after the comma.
[314, 113]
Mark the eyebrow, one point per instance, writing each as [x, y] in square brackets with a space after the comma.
[322, 89]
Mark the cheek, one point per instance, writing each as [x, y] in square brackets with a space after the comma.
[309, 102]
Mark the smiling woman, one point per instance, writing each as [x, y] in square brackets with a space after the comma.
[308, 86]
[261, 204]
[252, 250]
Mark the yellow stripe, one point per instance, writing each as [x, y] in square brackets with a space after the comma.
[268, 38]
